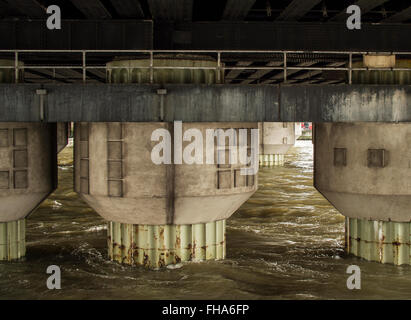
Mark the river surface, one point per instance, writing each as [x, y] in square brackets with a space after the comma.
[286, 242]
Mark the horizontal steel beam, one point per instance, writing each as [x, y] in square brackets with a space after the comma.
[205, 103]
[77, 35]
[331, 36]
[229, 35]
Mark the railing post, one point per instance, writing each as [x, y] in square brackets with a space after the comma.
[350, 70]
[16, 67]
[151, 67]
[84, 67]
[285, 67]
[219, 67]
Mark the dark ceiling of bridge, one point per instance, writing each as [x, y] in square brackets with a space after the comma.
[381, 11]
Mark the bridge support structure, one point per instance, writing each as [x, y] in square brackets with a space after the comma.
[159, 214]
[276, 138]
[363, 169]
[28, 165]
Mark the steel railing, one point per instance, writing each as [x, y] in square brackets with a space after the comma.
[218, 54]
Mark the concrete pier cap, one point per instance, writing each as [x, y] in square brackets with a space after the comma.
[363, 169]
[28, 165]
[159, 214]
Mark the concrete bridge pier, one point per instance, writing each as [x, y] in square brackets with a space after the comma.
[298, 130]
[276, 138]
[363, 169]
[63, 134]
[159, 214]
[28, 165]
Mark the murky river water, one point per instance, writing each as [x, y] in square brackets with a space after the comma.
[286, 242]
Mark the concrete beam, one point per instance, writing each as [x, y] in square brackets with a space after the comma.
[346, 103]
[280, 74]
[171, 10]
[211, 103]
[128, 8]
[234, 73]
[400, 16]
[30, 8]
[44, 74]
[92, 9]
[262, 72]
[297, 9]
[237, 9]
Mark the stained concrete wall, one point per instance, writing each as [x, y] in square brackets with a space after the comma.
[28, 165]
[360, 183]
[141, 192]
[207, 103]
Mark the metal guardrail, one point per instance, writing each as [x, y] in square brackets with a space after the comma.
[218, 53]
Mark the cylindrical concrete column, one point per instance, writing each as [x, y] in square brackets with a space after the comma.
[276, 138]
[159, 214]
[28, 174]
[363, 169]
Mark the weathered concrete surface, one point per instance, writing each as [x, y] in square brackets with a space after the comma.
[363, 169]
[28, 165]
[355, 183]
[142, 192]
[63, 132]
[346, 103]
[276, 138]
[28, 172]
[124, 184]
[208, 103]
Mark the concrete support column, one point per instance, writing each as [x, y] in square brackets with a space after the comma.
[276, 138]
[155, 246]
[63, 134]
[363, 169]
[298, 130]
[28, 164]
[159, 214]
[12, 240]
[379, 241]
